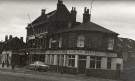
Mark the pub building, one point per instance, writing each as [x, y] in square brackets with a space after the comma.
[68, 46]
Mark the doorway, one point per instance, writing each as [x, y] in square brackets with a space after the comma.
[82, 64]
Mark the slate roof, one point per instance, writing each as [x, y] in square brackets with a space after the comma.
[63, 14]
[90, 26]
[43, 18]
[60, 14]
[14, 44]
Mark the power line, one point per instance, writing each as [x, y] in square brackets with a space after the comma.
[91, 5]
[31, 25]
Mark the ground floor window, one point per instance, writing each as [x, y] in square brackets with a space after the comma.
[52, 59]
[48, 59]
[71, 60]
[95, 62]
[109, 61]
[62, 60]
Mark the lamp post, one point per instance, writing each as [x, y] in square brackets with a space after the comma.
[28, 57]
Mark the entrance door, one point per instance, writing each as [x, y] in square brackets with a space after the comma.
[82, 64]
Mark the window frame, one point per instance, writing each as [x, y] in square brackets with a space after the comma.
[81, 41]
[109, 63]
[96, 61]
[110, 45]
[71, 59]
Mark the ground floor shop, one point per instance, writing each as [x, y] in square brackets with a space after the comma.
[99, 64]
[9, 58]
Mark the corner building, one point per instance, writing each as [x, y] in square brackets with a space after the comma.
[68, 46]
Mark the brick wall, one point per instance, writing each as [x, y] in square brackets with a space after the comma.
[93, 40]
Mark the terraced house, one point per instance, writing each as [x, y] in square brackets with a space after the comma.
[57, 39]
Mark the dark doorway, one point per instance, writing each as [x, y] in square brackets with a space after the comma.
[118, 66]
[82, 64]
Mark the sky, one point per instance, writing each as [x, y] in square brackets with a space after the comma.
[116, 15]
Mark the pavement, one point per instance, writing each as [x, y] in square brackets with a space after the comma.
[52, 76]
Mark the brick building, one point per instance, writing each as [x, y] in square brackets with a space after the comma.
[11, 47]
[57, 39]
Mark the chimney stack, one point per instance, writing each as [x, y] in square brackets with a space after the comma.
[6, 37]
[86, 15]
[73, 14]
[59, 4]
[43, 12]
[21, 38]
[10, 37]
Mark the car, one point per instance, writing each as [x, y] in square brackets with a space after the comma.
[38, 66]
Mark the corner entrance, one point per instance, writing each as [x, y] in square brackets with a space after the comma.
[82, 64]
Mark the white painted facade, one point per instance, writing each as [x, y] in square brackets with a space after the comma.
[6, 56]
[61, 58]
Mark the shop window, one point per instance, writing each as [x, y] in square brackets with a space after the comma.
[48, 59]
[71, 59]
[58, 59]
[95, 62]
[82, 57]
[62, 60]
[109, 61]
[80, 41]
[92, 62]
[110, 43]
[52, 59]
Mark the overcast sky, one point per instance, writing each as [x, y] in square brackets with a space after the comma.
[118, 16]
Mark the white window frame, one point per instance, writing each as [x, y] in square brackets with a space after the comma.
[80, 41]
[71, 58]
[95, 60]
[110, 43]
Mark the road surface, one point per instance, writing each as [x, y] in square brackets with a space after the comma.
[129, 70]
[15, 76]
[10, 76]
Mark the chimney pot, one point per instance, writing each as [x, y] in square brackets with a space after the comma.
[43, 12]
[21, 38]
[6, 37]
[88, 11]
[73, 14]
[86, 15]
[60, 1]
[10, 37]
[85, 9]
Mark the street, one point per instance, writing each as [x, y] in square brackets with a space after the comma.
[7, 75]
[4, 77]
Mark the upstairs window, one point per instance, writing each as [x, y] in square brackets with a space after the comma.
[80, 41]
[60, 42]
[110, 44]
[55, 43]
